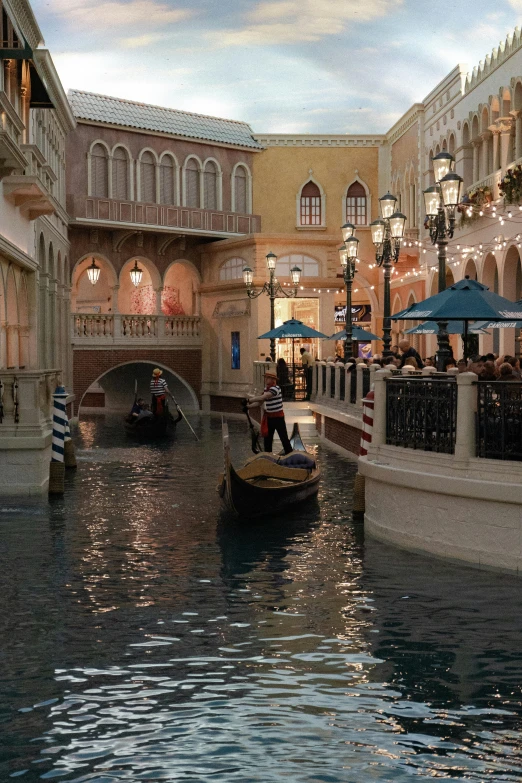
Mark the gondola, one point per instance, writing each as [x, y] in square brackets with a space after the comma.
[267, 484]
[152, 428]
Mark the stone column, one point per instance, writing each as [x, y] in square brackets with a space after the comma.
[3, 344]
[379, 408]
[328, 389]
[496, 149]
[466, 408]
[504, 126]
[485, 154]
[158, 292]
[43, 321]
[476, 150]
[114, 299]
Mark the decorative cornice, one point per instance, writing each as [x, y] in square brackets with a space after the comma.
[14, 253]
[492, 61]
[45, 66]
[405, 123]
[22, 16]
[319, 140]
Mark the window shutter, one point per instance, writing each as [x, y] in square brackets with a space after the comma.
[120, 175]
[310, 205]
[210, 181]
[167, 181]
[192, 184]
[148, 178]
[99, 172]
[240, 188]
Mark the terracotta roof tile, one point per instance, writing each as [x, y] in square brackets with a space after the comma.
[118, 111]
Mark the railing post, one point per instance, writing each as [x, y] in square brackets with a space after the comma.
[466, 409]
[360, 368]
[379, 410]
[337, 389]
[374, 368]
[320, 389]
[328, 380]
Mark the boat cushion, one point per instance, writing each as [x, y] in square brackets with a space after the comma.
[298, 459]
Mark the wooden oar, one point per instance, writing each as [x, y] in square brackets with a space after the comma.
[253, 432]
[187, 421]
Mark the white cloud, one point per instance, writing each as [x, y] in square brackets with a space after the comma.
[94, 15]
[292, 21]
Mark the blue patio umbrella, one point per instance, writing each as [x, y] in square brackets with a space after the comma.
[432, 327]
[292, 329]
[482, 325]
[464, 301]
[359, 335]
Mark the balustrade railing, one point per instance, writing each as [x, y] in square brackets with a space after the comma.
[499, 420]
[421, 413]
[120, 327]
[332, 382]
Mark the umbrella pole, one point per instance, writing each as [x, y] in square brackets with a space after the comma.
[466, 339]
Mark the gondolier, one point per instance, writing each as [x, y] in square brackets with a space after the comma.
[159, 391]
[273, 400]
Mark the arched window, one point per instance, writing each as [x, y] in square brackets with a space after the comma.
[99, 172]
[210, 183]
[310, 214]
[240, 190]
[192, 195]
[148, 177]
[308, 266]
[120, 174]
[356, 205]
[167, 180]
[232, 269]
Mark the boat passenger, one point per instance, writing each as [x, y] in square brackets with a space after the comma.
[145, 413]
[137, 408]
[159, 391]
[273, 400]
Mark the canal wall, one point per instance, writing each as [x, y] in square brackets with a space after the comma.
[340, 428]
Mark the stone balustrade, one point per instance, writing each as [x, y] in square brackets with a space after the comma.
[102, 329]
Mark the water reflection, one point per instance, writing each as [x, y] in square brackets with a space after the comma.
[147, 638]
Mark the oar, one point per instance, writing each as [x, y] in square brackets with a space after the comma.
[253, 432]
[187, 421]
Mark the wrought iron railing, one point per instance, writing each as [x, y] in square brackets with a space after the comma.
[353, 384]
[332, 382]
[365, 381]
[499, 420]
[421, 413]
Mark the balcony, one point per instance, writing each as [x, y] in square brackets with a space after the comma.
[159, 217]
[107, 330]
[29, 194]
[12, 158]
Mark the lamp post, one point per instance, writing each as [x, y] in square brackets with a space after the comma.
[441, 201]
[348, 258]
[273, 289]
[387, 232]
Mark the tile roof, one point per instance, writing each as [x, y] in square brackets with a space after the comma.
[118, 111]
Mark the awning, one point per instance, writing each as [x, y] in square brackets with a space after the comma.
[39, 95]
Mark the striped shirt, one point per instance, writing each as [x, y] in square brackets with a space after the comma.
[158, 386]
[274, 406]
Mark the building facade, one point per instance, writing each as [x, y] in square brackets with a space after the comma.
[34, 250]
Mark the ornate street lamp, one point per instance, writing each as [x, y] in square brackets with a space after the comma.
[440, 201]
[348, 257]
[136, 274]
[387, 233]
[273, 289]
[93, 273]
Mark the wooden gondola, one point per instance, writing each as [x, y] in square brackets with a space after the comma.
[265, 485]
[152, 428]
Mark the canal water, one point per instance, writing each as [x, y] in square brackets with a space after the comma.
[145, 637]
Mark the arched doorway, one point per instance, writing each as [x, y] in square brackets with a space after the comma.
[511, 288]
[490, 343]
[113, 390]
[180, 290]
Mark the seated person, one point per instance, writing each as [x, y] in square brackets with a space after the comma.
[137, 408]
[145, 413]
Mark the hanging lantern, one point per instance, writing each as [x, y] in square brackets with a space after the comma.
[136, 274]
[93, 273]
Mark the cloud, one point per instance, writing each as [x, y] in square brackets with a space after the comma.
[293, 21]
[94, 15]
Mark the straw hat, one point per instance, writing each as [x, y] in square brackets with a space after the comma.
[157, 372]
[271, 375]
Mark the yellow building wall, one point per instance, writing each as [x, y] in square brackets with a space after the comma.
[280, 172]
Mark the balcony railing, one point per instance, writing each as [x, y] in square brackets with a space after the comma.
[106, 329]
[499, 420]
[188, 219]
[421, 413]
